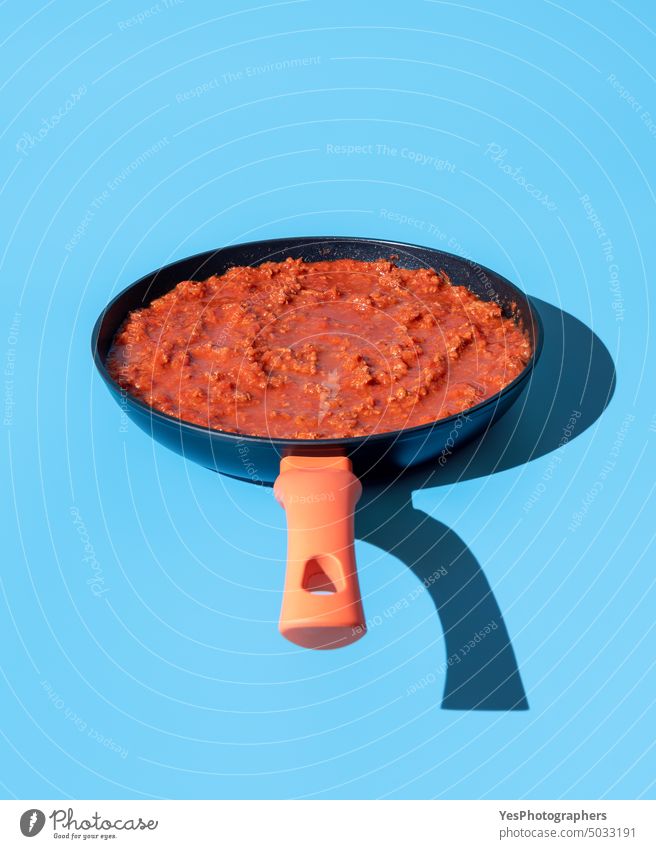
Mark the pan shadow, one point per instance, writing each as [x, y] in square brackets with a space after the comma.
[570, 388]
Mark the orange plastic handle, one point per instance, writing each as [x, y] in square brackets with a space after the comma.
[321, 607]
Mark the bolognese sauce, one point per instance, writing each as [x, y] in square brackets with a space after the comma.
[317, 350]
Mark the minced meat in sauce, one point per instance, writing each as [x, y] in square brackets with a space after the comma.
[317, 350]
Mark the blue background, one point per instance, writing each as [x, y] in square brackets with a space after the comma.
[173, 681]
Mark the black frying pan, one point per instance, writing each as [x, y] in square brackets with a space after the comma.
[316, 480]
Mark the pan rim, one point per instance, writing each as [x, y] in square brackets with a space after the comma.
[411, 432]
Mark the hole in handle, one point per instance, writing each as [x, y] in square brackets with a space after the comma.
[322, 575]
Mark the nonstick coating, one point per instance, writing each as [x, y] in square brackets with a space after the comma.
[256, 458]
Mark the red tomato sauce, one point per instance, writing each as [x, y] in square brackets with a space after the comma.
[317, 350]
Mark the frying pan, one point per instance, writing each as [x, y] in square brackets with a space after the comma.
[317, 481]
